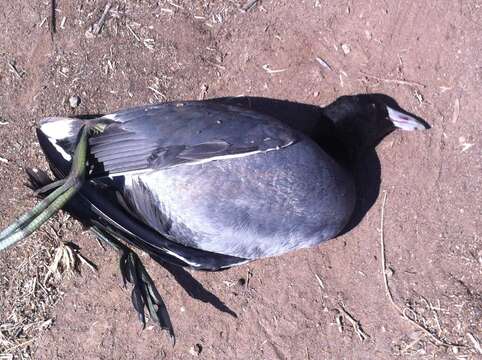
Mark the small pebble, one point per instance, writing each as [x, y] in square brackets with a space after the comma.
[74, 101]
[196, 350]
[346, 48]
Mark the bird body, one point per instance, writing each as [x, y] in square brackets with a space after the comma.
[214, 177]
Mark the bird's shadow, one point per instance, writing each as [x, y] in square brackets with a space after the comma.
[194, 288]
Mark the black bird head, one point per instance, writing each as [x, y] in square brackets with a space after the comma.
[360, 122]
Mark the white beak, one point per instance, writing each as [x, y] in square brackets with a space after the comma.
[404, 121]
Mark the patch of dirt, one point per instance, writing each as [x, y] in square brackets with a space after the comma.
[426, 56]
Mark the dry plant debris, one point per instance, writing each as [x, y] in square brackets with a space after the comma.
[14, 69]
[341, 313]
[67, 260]
[320, 282]
[339, 322]
[456, 113]
[464, 144]
[475, 342]
[413, 318]
[250, 4]
[267, 68]
[362, 335]
[323, 63]
[95, 29]
[27, 313]
[396, 81]
[157, 85]
[52, 18]
[204, 92]
[147, 42]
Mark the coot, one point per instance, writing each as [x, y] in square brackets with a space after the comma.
[206, 184]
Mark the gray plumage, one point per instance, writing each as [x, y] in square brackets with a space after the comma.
[221, 184]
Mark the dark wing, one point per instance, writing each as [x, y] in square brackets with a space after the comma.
[165, 135]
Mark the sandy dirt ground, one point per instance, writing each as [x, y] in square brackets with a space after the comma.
[426, 55]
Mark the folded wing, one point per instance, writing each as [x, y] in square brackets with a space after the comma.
[161, 136]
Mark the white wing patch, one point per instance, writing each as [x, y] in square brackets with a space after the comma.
[112, 117]
[58, 128]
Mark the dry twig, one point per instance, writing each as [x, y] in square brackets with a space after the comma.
[154, 89]
[14, 70]
[97, 27]
[396, 81]
[362, 335]
[339, 322]
[204, 91]
[456, 113]
[320, 282]
[412, 344]
[323, 63]
[270, 71]
[250, 4]
[52, 19]
[133, 33]
[436, 340]
[475, 342]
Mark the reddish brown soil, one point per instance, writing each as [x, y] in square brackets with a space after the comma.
[433, 179]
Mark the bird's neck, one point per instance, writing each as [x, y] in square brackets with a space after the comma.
[341, 143]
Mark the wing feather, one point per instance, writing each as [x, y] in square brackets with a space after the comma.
[166, 135]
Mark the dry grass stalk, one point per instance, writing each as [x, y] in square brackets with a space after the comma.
[456, 112]
[320, 282]
[250, 4]
[270, 71]
[52, 19]
[14, 70]
[475, 342]
[323, 63]
[395, 81]
[435, 339]
[362, 335]
[339, 322]
[95, 29]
